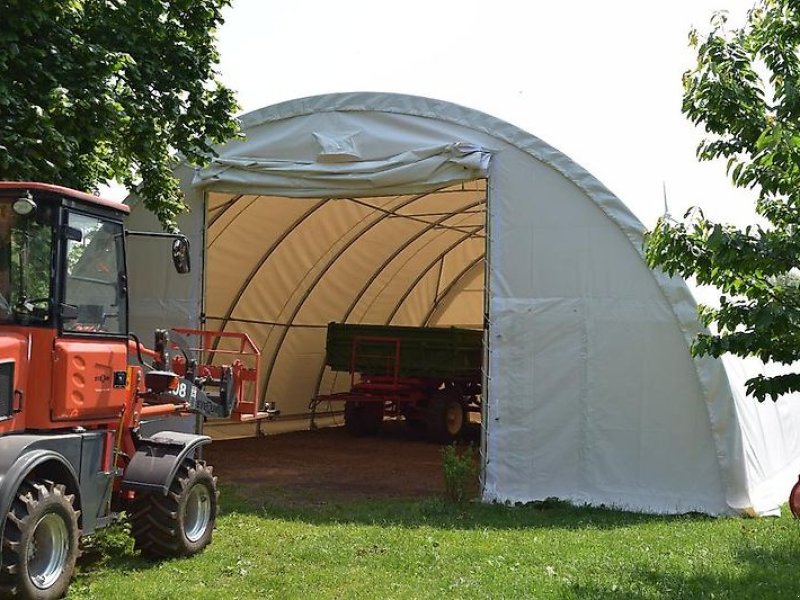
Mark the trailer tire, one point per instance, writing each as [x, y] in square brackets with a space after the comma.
[363, 419]
[180, 523]
[40, 542]
[446, 416]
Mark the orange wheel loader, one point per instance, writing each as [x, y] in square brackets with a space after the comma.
[75, 386]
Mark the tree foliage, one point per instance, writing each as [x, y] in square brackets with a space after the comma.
[745, 92]
[99, 90]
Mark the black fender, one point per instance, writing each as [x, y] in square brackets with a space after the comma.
[157, 459]
[22, 454]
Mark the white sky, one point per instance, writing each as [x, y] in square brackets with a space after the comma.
[599, 80]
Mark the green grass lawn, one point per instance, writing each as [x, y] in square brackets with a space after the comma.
[433, 549]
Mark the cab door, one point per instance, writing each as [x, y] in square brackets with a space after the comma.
[90, 355]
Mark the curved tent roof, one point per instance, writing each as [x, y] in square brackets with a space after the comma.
[391, 209]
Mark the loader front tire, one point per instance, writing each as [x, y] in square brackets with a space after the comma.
[40, 542]
[182, 522]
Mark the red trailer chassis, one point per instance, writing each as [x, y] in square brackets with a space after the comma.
[437, 405]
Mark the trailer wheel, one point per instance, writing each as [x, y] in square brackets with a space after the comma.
[446, 416]
[40, 541]
[363, 418]
[182, 522]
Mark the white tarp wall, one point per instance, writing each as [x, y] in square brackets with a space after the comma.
[375, 208]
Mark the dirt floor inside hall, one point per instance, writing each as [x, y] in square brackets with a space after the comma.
[328, 465]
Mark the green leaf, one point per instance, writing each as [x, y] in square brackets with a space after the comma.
[743, 91]
[94, 91]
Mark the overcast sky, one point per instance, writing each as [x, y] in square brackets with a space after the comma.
[599, 80]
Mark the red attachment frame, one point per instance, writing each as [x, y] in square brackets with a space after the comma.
[212, 353]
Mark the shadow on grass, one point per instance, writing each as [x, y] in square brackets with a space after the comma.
[768, 573]
[110, 549]
[436, 512]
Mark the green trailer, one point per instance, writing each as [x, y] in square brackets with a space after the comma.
[430, 376]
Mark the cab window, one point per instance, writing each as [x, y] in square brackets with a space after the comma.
[26, 254]
[94, 285]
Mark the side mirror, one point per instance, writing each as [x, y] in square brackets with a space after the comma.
[180, 255]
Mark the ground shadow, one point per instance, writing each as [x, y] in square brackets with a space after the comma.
[436, 511]
[327, 476]
[110, 548]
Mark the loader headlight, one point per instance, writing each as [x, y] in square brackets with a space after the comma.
[24, 205]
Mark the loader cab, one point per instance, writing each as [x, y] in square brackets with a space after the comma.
[62, 262]
[63, 307]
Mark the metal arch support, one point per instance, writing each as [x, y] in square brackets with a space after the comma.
[425, 271]
[465, 235]
[318, 278]
[394, 255]
[360, 229]
[452, 285]
[232, 221]
[394, 213]
[223, 208]
[264, 257]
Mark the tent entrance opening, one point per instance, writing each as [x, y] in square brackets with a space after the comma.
[291, 266]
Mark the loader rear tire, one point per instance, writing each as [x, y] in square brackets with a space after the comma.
[182, 522]
[40, 542]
